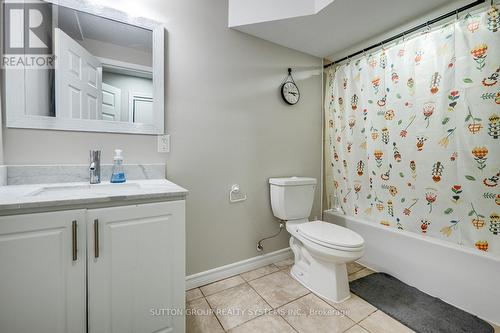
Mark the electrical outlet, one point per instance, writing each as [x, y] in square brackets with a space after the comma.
[164, 143]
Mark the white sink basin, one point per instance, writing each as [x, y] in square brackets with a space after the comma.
[75, 190]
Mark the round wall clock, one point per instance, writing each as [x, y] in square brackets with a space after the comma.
[289, 90]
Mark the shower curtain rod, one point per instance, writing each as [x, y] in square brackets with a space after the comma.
[409, 31]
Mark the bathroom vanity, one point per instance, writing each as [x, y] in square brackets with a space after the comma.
[76, 257]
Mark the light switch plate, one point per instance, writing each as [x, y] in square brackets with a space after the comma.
[164, 143]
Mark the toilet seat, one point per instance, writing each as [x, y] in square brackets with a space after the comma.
[331, 236]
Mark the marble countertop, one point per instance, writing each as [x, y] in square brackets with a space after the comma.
[18, 197]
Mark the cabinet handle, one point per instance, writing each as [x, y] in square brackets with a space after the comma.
[96, 238]
[74, 237]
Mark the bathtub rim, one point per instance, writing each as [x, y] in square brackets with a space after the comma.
[436, 241]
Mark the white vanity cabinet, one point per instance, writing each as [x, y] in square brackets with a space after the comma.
[136, 268]
[125, 263]
[42, 272]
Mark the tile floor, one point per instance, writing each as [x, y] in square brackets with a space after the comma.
[268, 299]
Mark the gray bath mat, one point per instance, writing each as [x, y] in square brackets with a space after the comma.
[415, 309]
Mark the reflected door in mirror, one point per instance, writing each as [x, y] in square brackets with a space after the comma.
[78, 80]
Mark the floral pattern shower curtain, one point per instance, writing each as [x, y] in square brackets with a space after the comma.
[414, 133]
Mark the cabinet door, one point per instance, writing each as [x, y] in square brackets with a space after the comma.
[42, 280]
[136, 272]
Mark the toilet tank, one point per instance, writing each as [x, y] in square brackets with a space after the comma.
[292, 198]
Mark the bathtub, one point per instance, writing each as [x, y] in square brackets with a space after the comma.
[463, 277]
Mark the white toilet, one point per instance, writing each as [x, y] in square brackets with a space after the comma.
[321, 249]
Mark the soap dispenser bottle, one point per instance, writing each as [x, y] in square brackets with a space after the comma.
[117, 173]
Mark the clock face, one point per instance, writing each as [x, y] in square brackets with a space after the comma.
[290, 93]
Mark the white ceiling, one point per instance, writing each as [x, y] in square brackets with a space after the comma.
[343, 24]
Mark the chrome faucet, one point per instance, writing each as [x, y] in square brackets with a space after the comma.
[95, 167]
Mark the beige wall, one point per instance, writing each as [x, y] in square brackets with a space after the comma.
[228, 125]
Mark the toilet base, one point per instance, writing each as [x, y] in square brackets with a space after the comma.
[337, 291]
[323, 274]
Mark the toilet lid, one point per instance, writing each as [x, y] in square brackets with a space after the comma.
[329, 233]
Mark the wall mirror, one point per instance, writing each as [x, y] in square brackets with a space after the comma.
[106, 75]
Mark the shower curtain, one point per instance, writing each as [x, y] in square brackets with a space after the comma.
[413, 133]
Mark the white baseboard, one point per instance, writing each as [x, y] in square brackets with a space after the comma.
[216, 274]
